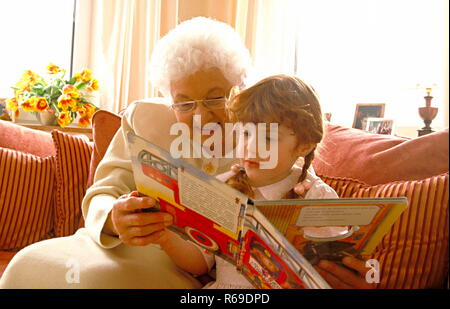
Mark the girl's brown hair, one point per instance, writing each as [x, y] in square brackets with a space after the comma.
[282, 99]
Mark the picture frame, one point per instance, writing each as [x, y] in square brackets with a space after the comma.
[367, 110]
[380, 126]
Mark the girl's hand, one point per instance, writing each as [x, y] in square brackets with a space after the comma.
[135, 227]
[235, 168]
[302, 188]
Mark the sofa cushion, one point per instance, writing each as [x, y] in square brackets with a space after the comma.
[104, 126]
[377, 159]
[26, 194]
[344, 187]
[414, 252]
[27, 140]
[73, 155]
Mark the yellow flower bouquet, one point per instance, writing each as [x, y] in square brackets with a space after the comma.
[65, 99]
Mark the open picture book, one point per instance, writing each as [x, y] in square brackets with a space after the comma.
[274, 244]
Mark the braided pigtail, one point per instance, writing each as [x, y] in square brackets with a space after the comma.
[241, 183]
[308, 160]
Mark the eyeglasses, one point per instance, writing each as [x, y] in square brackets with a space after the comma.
[189, 106]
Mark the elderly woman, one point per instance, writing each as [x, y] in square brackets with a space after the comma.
[195, 66]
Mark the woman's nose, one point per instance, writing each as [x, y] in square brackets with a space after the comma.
[201, 110]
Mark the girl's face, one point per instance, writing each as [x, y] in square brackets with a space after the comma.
[288, 152]
[204, 84]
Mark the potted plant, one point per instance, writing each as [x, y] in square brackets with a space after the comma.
[55, 100]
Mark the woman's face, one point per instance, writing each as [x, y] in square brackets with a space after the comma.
[204, 84]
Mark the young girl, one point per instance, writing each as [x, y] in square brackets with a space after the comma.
[294, 105]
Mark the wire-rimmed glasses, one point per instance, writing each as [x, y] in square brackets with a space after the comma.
[189, 106]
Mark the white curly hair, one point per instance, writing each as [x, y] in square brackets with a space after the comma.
[199, 43]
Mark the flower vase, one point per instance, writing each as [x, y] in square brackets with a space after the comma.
[46, 118]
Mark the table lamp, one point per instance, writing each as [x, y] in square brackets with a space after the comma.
[427, 113]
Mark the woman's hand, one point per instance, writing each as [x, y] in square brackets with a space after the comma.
[343, 278]
[135, 227]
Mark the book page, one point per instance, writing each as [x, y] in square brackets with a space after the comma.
[333, 228]
[209, 202]
[336, 215]
[205, 210]
[268, 260]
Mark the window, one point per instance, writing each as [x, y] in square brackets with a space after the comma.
[33, 34]
[373, 51]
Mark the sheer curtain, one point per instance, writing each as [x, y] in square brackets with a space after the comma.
[352, 51]
[376, 51]
[273, 37]
[114, 39]
[372, 51]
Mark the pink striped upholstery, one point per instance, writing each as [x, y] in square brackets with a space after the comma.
[73, 155]
[344, 187]
[26, 192]
[17, 137]
[414, 253]
[104, 126]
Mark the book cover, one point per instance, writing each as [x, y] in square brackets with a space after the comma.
[273, 243]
